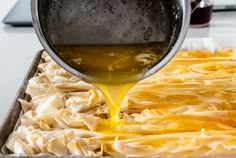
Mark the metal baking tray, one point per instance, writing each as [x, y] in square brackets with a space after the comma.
[12, 119]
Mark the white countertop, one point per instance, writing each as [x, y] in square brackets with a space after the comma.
[19, 46]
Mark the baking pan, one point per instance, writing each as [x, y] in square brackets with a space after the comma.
[11, 121]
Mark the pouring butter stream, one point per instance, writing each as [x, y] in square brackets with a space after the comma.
[114, 69]
[111, 44]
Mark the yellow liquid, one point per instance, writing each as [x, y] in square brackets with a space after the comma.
[114, 69]
[114, 95]
[112, 64]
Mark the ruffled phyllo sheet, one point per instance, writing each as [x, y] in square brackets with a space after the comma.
[186, 109]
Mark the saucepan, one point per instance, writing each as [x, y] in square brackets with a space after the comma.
[89, 22]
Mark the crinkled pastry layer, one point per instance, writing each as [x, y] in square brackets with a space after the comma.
[186, 109]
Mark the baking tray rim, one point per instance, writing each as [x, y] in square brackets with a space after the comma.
[9, 123]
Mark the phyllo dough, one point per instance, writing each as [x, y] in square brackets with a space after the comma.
[186, 109]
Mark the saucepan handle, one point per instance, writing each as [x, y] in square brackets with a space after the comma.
[195, 4]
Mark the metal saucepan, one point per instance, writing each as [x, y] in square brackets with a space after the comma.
[111, 22]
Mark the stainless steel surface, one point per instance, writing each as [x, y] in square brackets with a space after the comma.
[111, 22]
